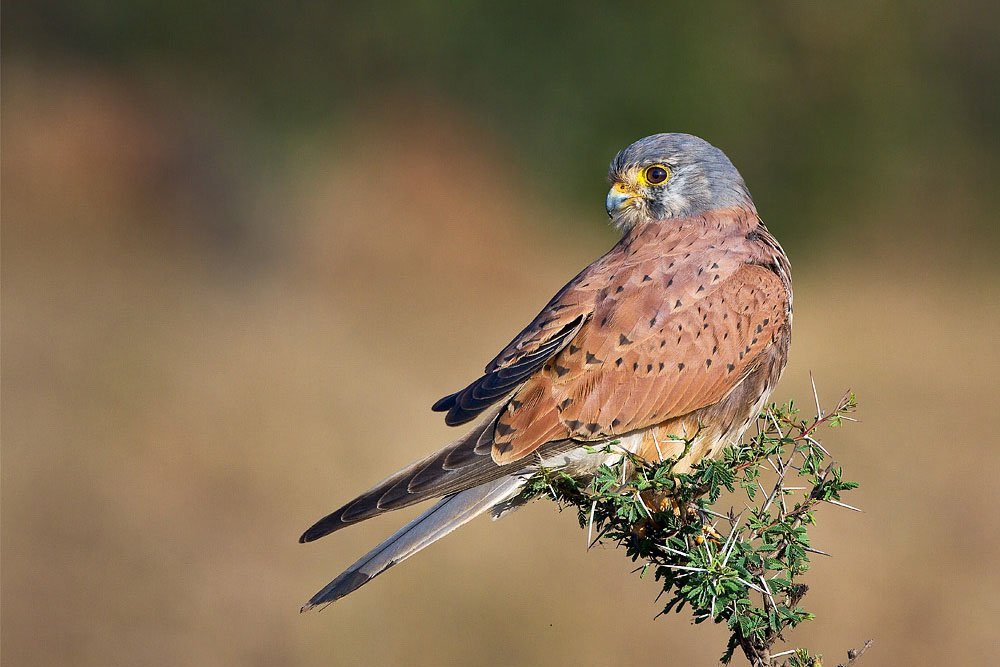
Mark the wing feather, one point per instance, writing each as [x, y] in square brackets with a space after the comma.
[543, 339]
[658, 363]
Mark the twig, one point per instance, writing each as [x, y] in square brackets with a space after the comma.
[855, 653]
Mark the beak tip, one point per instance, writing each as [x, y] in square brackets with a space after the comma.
[617, 200]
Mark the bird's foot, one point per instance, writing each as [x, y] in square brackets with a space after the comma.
[708, 532]
[662, 503]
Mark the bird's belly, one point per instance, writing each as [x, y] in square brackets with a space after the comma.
[688, 440]
[655, 444]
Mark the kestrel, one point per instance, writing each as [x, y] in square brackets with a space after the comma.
[681, 330]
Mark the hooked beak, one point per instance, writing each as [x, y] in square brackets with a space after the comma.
[619, 197]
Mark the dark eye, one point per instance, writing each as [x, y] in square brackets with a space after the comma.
[656, 174]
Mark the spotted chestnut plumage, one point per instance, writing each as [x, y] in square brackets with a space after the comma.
[681, 329]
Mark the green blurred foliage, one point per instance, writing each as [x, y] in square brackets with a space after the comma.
[819, 104]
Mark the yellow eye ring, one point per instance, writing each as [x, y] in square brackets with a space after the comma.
[655, 174]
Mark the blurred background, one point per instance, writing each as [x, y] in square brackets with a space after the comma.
[246, 247]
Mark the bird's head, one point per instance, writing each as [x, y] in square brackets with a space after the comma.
[673, 175]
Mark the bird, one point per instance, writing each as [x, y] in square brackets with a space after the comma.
[679, 332]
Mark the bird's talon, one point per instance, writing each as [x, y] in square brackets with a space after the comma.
[709, 532]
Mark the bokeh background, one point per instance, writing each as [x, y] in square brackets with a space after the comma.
[245, 247]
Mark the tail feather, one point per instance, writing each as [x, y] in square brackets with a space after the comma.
[447, 515]
[464, 464]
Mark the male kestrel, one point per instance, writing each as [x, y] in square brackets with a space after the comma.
[681, 329]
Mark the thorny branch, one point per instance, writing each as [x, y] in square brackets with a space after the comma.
[749, 577]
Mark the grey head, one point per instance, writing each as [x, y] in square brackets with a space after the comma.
[672, 175]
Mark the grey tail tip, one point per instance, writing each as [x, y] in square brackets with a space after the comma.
[345, 584]
[448, 514]
[309, 606]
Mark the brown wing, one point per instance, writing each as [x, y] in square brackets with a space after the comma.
[549, 333]
[675, 340]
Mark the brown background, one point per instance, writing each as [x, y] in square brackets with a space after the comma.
[213, 334]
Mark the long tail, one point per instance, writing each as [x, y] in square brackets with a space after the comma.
[464, 464]
[447, 515]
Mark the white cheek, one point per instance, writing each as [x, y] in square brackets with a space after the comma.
[675, 199]
[674, 202]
